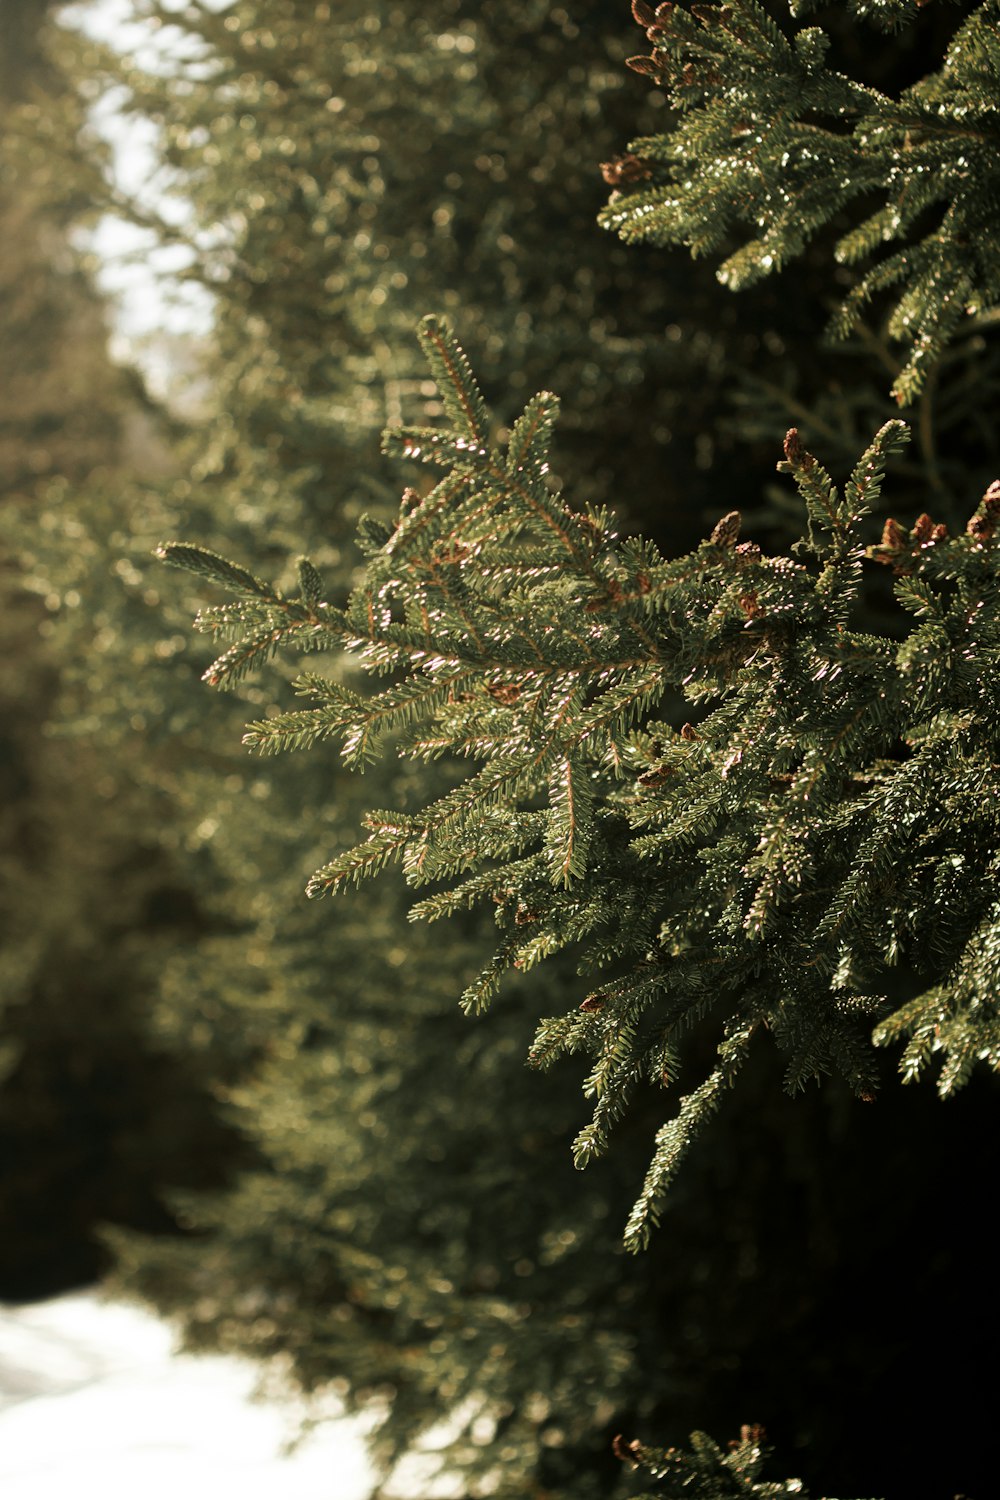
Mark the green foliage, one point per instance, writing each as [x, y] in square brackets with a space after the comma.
[774, 145]
[764, 870]
[97, 1112]
[352, 166]
[706, 1472]
[411, 1228]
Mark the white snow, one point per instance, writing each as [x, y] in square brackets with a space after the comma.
[94, 1404]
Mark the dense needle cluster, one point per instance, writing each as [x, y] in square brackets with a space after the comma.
[776, 144]
[811, 853]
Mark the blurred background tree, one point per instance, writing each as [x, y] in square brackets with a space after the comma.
[407, 1225]
[96, 1114]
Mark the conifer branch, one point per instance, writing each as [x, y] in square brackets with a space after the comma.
[772, 144]
[754, 870]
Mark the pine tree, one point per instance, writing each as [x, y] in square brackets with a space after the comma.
[834, 799]
[353, 168]
[802, 848]
[300, 1260]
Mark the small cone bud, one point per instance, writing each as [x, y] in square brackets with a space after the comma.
[726, 532]
[647, 65]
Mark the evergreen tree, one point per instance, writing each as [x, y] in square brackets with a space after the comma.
[833, 800]
[302, 1259]
[809, 856]
[350, 167]
[359, 163]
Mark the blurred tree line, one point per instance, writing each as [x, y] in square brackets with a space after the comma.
[270, 1115]
[96, 1114]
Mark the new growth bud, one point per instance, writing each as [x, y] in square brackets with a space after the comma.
[629, 1453]
[726, 532]
[795, 454]
[983, 523]
[647, 65]
[625, 169]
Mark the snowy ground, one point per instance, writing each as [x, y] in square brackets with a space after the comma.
[94, 1405]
